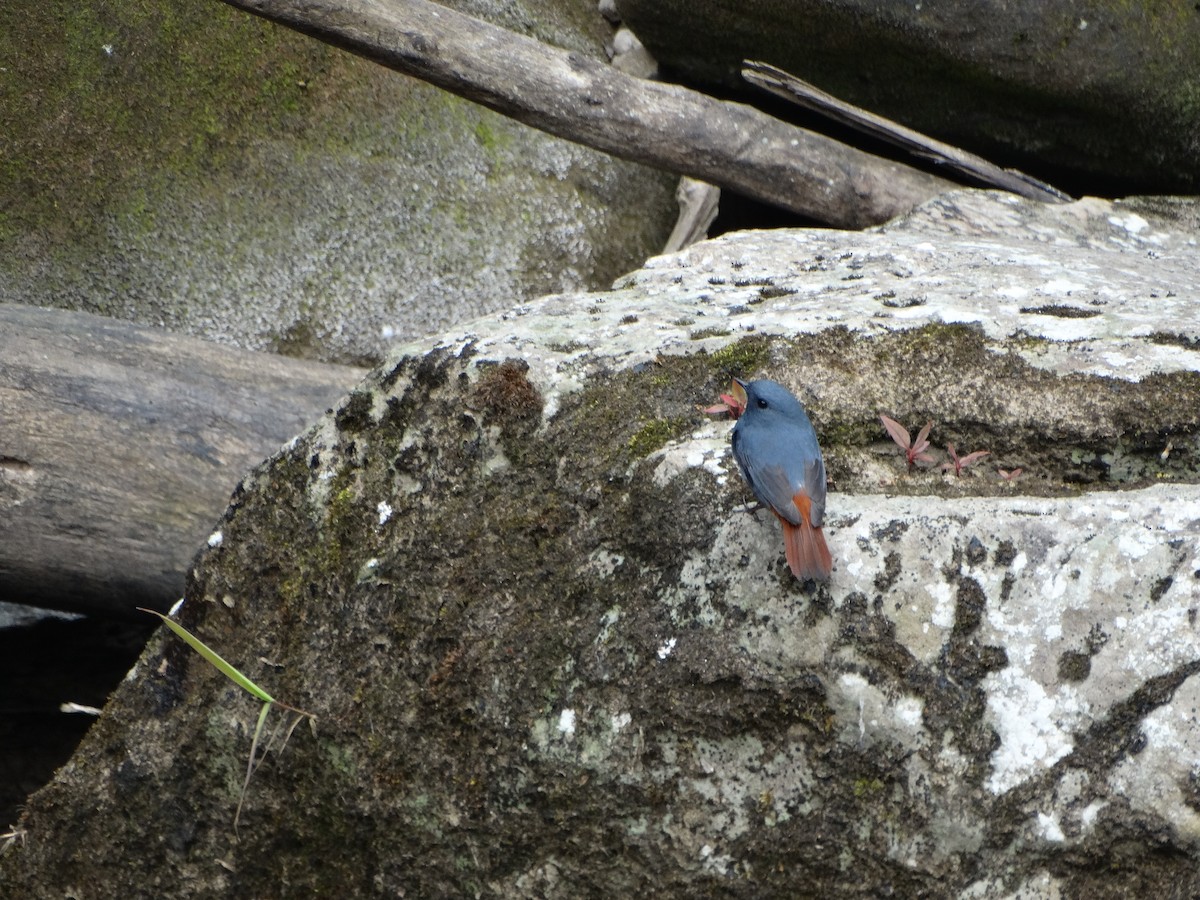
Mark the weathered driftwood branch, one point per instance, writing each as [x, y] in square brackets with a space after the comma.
[585, 101]
[968, 165]
[120, 445]
[698, 205]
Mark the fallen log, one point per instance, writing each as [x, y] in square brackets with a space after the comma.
[119, 447]
[586, 101]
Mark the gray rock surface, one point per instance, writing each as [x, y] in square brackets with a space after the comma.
[1088, 96]
[190, 166]
[551, 654]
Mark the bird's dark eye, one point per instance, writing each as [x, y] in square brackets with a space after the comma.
[762, 404]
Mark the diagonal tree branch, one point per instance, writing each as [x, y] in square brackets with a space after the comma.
[583, 100]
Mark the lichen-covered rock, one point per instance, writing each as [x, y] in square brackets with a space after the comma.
[146, 145]
[1088, 96]
[551, 654]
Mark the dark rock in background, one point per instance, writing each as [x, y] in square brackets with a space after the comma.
[1098, 99]
[46, 662]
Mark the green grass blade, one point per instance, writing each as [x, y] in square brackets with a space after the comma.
[214, 658]
[251, 764]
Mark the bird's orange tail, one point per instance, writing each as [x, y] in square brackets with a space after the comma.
[804, 545]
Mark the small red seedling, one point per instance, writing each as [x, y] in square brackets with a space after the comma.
[958, 463]
[733, 403]
[913, 450]
[1010, 475]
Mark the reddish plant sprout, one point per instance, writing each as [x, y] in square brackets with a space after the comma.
[733, 403]
[914, 451]
[1010, 474]
[958, 463]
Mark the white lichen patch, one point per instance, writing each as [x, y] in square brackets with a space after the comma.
[566, 723]
[610, 619]
[714, 861]
[1042, 886]
[588, 738]
[736, 776]
[867, 715]
[1103, 589]
[1169, 763]
[368, 570]
[1109, 580]
[603, 563]
[1061, 287]
[918, 600]
[707, 449]
[942, 615]
[1031, 739]
[1087, 815]
[1049, 828]
[1132, 222]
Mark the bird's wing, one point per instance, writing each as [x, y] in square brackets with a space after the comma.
[814, 486]
[775, 489]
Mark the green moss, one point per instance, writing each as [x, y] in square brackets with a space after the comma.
[341, 759]
[655, 435]
[939, 341]
[1025, 341]
[867, 787]
[742, 358]
[488, 138]
[341, 503]
[131, 92]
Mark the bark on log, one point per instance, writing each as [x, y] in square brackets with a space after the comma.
[119, 447]
[585, 101]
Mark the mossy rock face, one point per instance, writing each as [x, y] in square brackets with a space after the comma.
[551, 654]
[190, 165]
[1102, 99]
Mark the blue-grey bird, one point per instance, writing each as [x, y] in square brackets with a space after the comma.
[776, 448]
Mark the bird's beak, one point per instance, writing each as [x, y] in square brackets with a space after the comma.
[738, 389]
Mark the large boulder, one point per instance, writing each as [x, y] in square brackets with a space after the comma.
[1096, 97]
[145, 150]
[551, 654]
